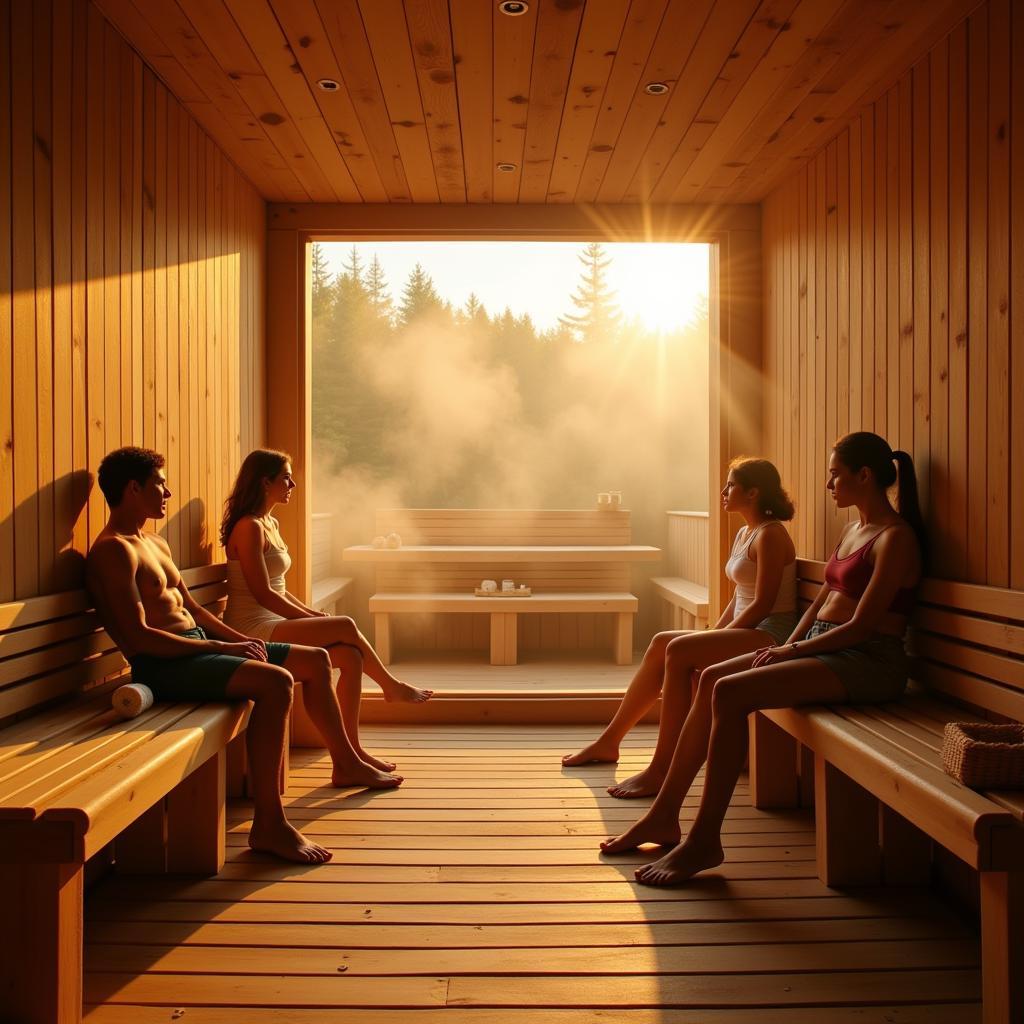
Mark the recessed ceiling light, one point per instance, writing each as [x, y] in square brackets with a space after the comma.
[328, 84]
[655, 88]
[507, 168]
[513, 8]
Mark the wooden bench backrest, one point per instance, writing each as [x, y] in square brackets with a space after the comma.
[53, 646]
[967, 640]
[505, 526]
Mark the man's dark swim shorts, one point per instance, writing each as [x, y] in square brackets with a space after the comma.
[194, 676]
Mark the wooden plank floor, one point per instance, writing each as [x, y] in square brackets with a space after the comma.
[475, 893]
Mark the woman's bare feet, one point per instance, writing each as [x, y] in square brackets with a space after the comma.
[680, 864]
[288, 843]
[645, 783]
[379, 763]
[601, 751]
[403, 693]
[647, 830]
[366, 775]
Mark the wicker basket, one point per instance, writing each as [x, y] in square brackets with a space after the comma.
[983, 755]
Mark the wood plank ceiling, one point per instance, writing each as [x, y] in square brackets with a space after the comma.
[435, 94]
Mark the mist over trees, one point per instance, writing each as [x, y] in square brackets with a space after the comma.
[436, 405]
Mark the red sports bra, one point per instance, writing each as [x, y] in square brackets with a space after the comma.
[851, 575]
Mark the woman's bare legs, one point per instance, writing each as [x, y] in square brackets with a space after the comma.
[269, 687]
[734, 697]
[312, 666]
[684, 655]
[638, 699]
[350, 652]
[330, 630]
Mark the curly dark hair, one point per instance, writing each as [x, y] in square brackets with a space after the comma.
[760, 473]
[120, 467]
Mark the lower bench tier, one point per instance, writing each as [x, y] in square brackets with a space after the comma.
[504, 613]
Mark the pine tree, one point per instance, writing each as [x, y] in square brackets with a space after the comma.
[419, 297]
[354, 267]
[598, 318]
[321, 275]
[377, 290]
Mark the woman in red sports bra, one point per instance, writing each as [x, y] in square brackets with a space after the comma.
[846, 648]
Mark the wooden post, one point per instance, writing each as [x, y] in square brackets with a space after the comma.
[382, 636]
[1002, 946]
[504, 638]
[773, 759]
[141, 849]
[906, 851]
[196, 820]
[41, 943]
[623, 638]
[846, 829]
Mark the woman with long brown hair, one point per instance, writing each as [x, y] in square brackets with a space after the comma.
[260, 605]
[847, 648]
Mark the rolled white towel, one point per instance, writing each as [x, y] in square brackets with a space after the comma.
[132, 699]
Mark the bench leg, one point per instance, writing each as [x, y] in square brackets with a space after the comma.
[41, 943]
[623, 638]
[196, 820]
[1002, 946]
[906, 851]
[141, 849]
[773, 761]
[846, 829]
[382, 636]
[504, 638]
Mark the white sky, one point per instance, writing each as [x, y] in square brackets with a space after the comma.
[659, 282]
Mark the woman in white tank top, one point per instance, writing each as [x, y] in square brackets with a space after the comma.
[260, 605]
[762, 612]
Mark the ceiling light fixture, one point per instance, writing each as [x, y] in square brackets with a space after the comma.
[328, 84]
[507, 168]
[655, 88]
[513, 8]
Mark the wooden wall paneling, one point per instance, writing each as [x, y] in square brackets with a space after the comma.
[903, 436]
[598, 44]
[6, 309]
[113, 140]
[79, 412]
[26, 499]
[513, 50]
[60, 146]
[148, 220]
[126, 119]
[957, 539]
[821, 435]
[938, 508]
[638, 37]
[173, 363]
[555, 41]
[388, 36]
[977, 262]
[866, 276]
[431, 39]
[1016, 337]
[850, 267]
[472, 40]
[881, 287]
[159, 198]
[211, 424]
[195, 344]
[834, 349]
[921, 315]
[803, 466]
[305, 33]
[137, 207]
[997, 522]
[185, 320]
[42, 196]
[693, 45]
[893, 332]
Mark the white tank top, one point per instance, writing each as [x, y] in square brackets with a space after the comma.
[741, 569]
[243, 611]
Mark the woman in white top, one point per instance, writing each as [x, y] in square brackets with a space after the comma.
[762, 612]
[260, 605]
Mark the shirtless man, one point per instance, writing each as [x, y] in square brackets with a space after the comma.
[183, 652]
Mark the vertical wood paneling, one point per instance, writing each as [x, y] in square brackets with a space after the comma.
[97, 179]
[905, 234]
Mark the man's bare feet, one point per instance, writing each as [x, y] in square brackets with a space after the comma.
[363, 774]
[403, 693]
[680, 864]
[600, 751]
[288, 843]
[377, 762]
[645, 783]
[646, 830]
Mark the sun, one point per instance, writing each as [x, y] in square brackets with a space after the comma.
[661, 284]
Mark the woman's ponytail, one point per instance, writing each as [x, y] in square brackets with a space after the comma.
[907, 502]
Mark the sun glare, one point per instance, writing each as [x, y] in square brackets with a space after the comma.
[661, 284]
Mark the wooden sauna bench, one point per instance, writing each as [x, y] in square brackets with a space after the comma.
[74, 778]
[880, 793]
[574, 561]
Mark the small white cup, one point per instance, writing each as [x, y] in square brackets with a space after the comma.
[507, 585]
[489, 585]
[604, 498]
